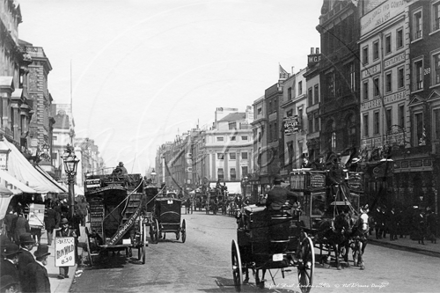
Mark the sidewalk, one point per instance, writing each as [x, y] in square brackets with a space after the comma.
[57, 285]
[432, 249]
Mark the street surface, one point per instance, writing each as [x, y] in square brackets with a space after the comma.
[203, 264]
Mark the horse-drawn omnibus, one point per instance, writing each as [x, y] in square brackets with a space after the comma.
[117, 204]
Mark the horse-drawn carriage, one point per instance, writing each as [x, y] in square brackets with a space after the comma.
[330, 212]
[117, 221]
[268, 241]
[166, 217]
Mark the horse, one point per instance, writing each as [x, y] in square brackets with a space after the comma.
[333, 233]
[358, 240]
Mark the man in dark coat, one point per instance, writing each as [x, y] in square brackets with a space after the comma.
[8, 265]
[65, 231]
[51, 221]
[10, 219]
[278, 196]
[38, 280]
[25, 257]
[21, 227]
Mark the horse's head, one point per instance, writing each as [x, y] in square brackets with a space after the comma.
[342, 223]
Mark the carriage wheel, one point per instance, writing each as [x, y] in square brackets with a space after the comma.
[306, 265]
[237, 273]
[183, 231]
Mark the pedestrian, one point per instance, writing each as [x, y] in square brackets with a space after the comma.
[82, 209]
[51, 221]
[8, 265]
[65, 231]
[36, 272]
[10, 220]
[431, 223]
[9, 285]
[21, 227]
[25, 257]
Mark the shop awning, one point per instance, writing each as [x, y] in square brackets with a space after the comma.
[5, 198]
[5, 176]
[21, 169]
[48, 177]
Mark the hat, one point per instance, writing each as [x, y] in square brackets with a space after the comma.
[26, 238]
[41, 251]
[10, 249]
[278, 179]
[6, 281]
[64, 221]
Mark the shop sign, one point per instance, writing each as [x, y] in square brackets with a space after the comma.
[3, 161]
[291, 125]
[381, 14]
[36, 215]
[317, 180]
[64, 251]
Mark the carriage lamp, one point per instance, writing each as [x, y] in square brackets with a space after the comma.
[70, 166]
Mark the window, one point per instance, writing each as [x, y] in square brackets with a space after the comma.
[366, 126]
[388, 44]
[220, 174]
[310, 96]
[419, 129]
[316, 123]
[270, 107]
[289, 93]
[244, 170]
[401, 116]
[436, 117]
[418, 75]
[376, 50]
[232, 125]
[232, 156]
[316, 89]
[300, 88]
[270, 132]
[310, 123]
[365, 90]
[331, 84]
[365, 55]
[233, 174]
[244, 137]
[220, 156]
[436, 16]
[244, 156]
[300, 117]
[389, 118]
[400, 77]
[233, 138]
[54, 137]
[399, 38]
[352, 71]
[220, 138]
[417, 25]
[376, 123]
[388, 82]
[260, 111]
[436, 68]
[376, 87]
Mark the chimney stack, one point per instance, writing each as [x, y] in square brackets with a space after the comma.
[311, 50]
[317, 50]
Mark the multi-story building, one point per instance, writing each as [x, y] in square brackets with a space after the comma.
[272, 99]
[313, 102]
[417, 168]
[15, 104]
[259, 138]
[90, 160]
[384, 50]
[339, 77]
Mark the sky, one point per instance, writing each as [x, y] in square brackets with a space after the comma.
[140, 72]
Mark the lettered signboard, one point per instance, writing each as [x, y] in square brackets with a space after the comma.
[64, 251]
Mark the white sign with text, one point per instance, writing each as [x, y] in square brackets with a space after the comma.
[65, 251]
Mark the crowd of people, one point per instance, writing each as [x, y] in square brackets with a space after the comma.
[417, 223]
[21, 268]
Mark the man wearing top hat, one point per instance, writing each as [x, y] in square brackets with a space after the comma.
[25, 257]
[8, 265]
[38, 280]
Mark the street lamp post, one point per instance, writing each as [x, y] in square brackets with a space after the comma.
[70, 166]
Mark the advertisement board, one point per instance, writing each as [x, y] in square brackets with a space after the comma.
[36, 215]
[64, 251]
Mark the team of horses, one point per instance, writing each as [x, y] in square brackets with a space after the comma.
[339, 235]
